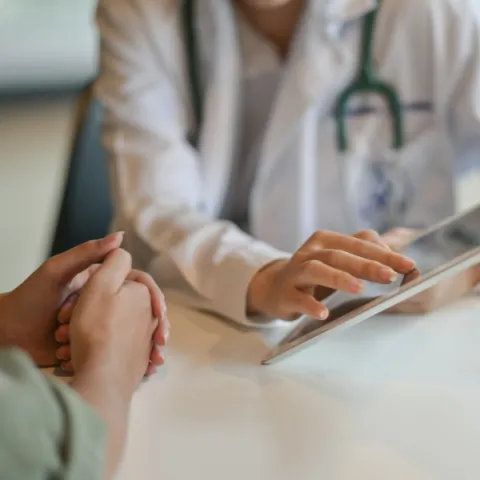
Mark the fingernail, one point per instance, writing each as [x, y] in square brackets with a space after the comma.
[114, 237]
[61, 357]
[323, 315]
[67, 366]
[411, 263]
[388, 275]
[161, 352]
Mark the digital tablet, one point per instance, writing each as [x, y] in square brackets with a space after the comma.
[440, 252]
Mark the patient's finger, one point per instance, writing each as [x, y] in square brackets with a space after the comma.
[64, 353]
[62, 335]
[67, 367]
[66, 310]
[151, 370]
[156, 356]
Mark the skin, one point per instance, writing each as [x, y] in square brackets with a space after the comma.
[274, 19]
[28, 314]
[62, 334]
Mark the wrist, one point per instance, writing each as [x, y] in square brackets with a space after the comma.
[106, 379]
[99, 387]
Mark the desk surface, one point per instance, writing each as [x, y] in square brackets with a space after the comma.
[392, 398]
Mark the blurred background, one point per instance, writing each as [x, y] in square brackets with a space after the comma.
[49, 129]
[48, 55]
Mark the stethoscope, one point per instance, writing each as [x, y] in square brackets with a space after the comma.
[366, 81]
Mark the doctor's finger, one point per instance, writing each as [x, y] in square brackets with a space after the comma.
[373, 237]
[358, 267]
[302, 303]
[369, 251]
[315, 273]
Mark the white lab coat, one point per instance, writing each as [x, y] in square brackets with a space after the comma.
[168, 196]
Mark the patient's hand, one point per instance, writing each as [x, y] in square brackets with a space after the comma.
[440, 295]
[28, 313]
[161, 335]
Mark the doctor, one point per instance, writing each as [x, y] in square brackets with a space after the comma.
[237, 129]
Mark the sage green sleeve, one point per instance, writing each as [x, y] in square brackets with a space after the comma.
[47, 431]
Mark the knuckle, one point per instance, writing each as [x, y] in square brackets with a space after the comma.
[364, 250]
[331, 257]
[338, 279]
[368, 235]
[124, 255]
[319, 236]
[308, 268]
[49, 268]
[298, 257]
[371, 269]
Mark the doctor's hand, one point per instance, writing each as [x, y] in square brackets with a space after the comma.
[440, 295]
[327, 262]
[28, 313]
[159, 311]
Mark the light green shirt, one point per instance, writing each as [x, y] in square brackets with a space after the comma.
[47, 431]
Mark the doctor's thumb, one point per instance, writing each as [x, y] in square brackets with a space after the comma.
[62, 268]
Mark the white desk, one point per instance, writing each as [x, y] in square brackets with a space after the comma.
[393, 398]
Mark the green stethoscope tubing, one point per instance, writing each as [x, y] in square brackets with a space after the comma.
[190, 37]
[366, 81]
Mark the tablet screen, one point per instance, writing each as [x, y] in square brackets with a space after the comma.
[431, 251]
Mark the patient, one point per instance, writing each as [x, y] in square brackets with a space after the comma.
[115, 328]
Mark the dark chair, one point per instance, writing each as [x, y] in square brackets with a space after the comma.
[86, 208]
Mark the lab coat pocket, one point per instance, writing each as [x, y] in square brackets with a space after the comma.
[412, 186]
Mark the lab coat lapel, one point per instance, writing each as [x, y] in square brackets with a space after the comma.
[319, 67]
[321, 64]
[221, 100]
